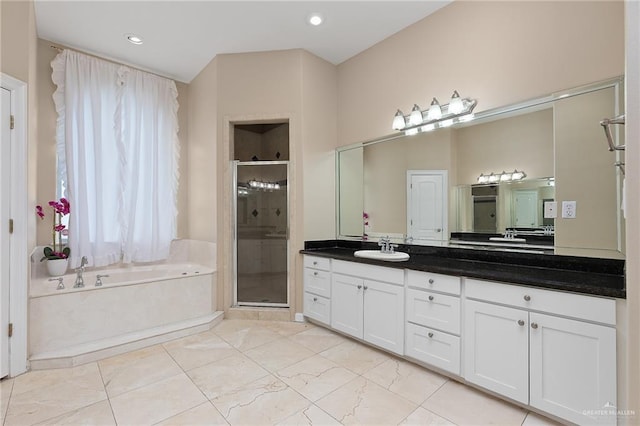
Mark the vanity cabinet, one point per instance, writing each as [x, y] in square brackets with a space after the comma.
[317, 289]
[552, 350]
[432, 328]
[367, 302]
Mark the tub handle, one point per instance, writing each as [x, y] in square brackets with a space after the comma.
[99, 279]
[60, 283]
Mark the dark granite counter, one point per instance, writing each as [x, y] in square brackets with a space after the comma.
[595, 276]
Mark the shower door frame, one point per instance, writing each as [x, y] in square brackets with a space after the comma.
[234, 188]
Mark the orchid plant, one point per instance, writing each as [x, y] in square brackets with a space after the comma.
[60, 208]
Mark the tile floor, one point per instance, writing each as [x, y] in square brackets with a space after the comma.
[246, 372]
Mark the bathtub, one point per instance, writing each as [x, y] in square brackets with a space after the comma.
[135, 307]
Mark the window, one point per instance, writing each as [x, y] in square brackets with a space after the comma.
[117, 152]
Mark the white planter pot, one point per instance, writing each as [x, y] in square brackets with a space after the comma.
[57, 267]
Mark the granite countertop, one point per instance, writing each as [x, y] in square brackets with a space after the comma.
[595, 276]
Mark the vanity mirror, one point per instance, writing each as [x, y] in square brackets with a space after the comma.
[408, 185]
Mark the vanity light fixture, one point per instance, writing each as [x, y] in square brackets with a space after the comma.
[134, 39]
[501, 177]
[459, 110]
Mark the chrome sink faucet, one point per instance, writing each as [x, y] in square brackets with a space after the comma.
[79, 279]
[385, 245]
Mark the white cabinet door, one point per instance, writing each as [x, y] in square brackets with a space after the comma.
[573, 369]
[384, 315]
[497, 349]
[346, 304]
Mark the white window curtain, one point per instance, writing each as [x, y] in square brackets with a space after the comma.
[117, 152]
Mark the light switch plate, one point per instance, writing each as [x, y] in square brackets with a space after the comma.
[550, 209]
[568, 209]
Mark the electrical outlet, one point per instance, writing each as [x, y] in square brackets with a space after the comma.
[550, 209]
[568, 209]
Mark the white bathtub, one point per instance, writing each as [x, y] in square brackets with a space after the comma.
[135, 307]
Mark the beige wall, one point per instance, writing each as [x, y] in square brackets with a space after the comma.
[278, 86]
[497, 52]
[46, 143]
[18, 59]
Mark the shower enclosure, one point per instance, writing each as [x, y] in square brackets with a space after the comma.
[261, 215]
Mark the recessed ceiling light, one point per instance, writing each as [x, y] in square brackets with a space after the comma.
[134, 39]
[315, 19]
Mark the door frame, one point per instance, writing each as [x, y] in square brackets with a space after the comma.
[18, 287]
[445, 205]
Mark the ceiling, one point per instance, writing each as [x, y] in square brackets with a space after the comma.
[181, 37]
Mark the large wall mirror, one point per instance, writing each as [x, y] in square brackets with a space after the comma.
[424, 188]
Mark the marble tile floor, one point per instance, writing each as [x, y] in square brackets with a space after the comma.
[245, 372]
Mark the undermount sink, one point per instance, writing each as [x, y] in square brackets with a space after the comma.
[396, 256]
[508, 240]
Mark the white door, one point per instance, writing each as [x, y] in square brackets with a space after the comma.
[346, 304]
[427, 205]
[525, 208]
[384, 315]
[496, 354]
[5, 195]
[573, 369]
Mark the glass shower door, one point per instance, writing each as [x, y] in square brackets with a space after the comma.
[262, 223]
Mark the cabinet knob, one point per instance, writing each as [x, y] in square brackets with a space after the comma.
[315, 274]
[359, 286]
[431, 281]
[315, 263]
[365, 287]
[520, 323]
[534, 325]
[430, 334]
[430, 297]
[527, 297]
[315, 299]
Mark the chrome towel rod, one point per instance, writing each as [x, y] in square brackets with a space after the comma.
[607, 131]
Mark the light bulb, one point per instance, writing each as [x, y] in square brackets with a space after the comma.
[482, 178]
[505, 177]
[456, 106]
[518, 175]
[416, 115]
[435, 113]
[493, 178]
[398, 121]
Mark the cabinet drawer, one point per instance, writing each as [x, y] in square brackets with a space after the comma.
[579, 306]
[434, 310]
[372, 272]
[317, 282]
[317, 262]
[433, 347]
[435, 282]
[317, 308]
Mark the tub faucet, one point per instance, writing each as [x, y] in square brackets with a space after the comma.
[99, 279]
[79, 279]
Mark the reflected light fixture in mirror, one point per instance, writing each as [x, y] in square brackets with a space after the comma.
[501, 177]
[460, 109]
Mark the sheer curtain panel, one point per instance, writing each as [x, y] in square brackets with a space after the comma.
[118, 153]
